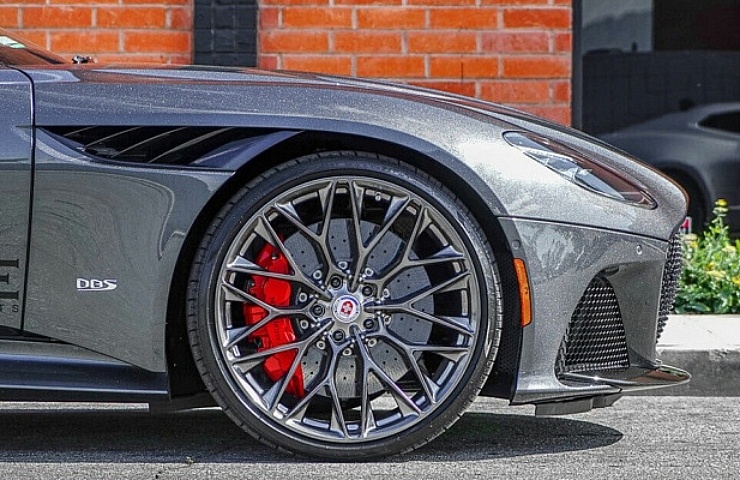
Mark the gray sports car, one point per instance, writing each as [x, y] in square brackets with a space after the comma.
[341, 265]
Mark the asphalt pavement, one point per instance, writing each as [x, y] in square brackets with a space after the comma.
[708, 346]
[639, 437]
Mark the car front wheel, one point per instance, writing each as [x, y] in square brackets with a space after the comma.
[344, 305]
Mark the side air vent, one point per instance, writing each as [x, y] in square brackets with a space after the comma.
[669, 287]
[160, 145]
[595, 340]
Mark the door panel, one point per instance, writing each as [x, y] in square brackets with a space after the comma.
[16, 138]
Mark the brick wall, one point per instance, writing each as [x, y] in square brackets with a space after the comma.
[516, 52]
[111, 30]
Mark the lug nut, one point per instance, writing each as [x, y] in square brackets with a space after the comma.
[368, 323]
[367, 291]
[317, 310]
[338, 335]
[335, 282]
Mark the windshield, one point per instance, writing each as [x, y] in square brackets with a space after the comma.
[16, 52]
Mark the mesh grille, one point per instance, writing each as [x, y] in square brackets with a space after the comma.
[669, 287]
[595, 339]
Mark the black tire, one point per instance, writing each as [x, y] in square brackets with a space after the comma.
[437, 344]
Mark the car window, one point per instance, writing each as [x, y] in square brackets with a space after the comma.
[16, 52]
[728, 122]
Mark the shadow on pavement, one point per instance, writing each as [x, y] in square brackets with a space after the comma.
[208, 436]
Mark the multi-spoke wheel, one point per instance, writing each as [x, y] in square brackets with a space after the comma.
[344, 305]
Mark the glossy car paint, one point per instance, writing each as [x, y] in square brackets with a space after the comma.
[16, 139]
[131, 221]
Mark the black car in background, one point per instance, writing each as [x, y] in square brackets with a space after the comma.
[700, 149]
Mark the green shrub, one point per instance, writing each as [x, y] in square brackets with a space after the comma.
[710, 281]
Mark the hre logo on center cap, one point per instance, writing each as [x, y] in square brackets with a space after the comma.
[346, 308]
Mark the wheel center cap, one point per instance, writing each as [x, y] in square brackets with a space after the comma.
[346, 309]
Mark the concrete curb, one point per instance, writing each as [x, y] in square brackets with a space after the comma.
[708, 346]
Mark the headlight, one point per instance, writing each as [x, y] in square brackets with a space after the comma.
[579, 169]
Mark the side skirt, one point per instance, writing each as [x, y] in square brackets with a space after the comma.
[58, 372]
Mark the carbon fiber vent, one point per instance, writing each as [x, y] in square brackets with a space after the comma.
[595, 339]
[160, 145]
[669, 287]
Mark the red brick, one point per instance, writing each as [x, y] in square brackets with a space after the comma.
[537, 17]
[329, 64]
[367, 42]
[269, 18]
[159, 3]
[309, 17]
[561, 91]
[368, 2]
[463, 67]
[73, 2]
[180, 18]
[563, 42]
[557, 113]
[84, 42]
[515, 2]
[401, 66]
[537, 67]
[267, 61]
[293, 2]
[9, 17]
[131, 17]
[65, 17]
[108, 58]
[179, 59]
[441, 42]
[156, 42]
[441, 3]
[292, 41]
[507, 42]
[391, 18]
[467, 18]
[39, 37]
[516, 91]
[460, 88]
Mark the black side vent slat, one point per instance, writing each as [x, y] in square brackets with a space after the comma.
[595, 339]
[174, 145]
[669, 287]
[147, 145]
[189, 144]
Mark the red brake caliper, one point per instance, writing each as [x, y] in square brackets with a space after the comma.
[280, 330]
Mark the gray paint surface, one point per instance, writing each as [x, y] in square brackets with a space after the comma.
[15, 191]
[102, 222]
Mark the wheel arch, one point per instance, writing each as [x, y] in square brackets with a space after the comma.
[183, 374]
